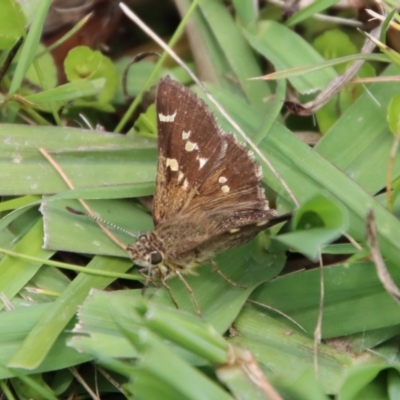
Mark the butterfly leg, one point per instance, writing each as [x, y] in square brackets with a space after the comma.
[233, 283]
[169, 290]
[190, 290]
[148, 278]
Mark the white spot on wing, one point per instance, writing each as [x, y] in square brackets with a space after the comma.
[186, 135]
[185, 184]
[202, 161]
[262, 223]
[173, 164]
[225, 189]
[222, 179]
[180, 176]
[234, 230]
[259, 173]
[190, 146]
[167, 118]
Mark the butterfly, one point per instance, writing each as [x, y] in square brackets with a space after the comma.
[207, 198]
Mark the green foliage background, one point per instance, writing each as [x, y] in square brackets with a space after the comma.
[58, 329]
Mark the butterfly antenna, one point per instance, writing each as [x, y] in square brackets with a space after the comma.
[103, 221]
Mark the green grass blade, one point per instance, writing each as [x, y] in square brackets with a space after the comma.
[15, 272]
[239, 57]
[29, 46]
[16, 324]
[288, 50]
[107, 159]
[40, 340]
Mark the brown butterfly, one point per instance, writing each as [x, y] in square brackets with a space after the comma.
[208, 196]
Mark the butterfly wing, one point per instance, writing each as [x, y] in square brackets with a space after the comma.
[192, 241]
[201, 170]
[233, 230]
[188, 148]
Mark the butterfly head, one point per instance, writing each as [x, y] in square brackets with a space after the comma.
[146, 252]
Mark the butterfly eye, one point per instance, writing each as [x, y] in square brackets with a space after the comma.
[155, 258]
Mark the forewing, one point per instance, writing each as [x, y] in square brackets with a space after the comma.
[201, 169]
[190, 147]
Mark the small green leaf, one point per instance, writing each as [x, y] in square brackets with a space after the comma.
[145, 125]
[318, 222]
[68, 92]
[84, 63]
[81, 63]
[333, 44]
[320, 211]
[12, 22]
